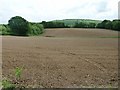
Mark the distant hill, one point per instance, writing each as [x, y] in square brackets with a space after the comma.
[71, 22]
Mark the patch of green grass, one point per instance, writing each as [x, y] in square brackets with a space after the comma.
[7, 84]
[18, 72]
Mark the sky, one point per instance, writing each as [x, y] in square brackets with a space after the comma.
[47, 10]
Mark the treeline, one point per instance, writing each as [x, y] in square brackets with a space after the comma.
[105, 24]
[21, 27]
[84, 25]
[53, 24]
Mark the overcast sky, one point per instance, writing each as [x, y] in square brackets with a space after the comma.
[46, 10]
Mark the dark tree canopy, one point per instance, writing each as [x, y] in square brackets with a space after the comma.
[107, 24]
[53, 24]
[18, 25]
[116, 25]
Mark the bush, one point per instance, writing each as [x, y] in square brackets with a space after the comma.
[35, 29]
[4, 30]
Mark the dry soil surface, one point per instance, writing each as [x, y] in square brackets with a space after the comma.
[63, 58]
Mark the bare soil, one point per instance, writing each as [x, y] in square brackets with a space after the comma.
[63, 58]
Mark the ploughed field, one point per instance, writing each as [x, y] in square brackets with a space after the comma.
[63, 58]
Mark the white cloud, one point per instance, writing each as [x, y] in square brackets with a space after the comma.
[38, 10]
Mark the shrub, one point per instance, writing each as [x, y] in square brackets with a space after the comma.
[4, 30]
[35, 29]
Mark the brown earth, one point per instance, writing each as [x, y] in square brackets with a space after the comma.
[63, 58]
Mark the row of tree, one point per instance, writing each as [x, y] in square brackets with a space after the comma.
[19, 26]
[57, 24]
[105, 24]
